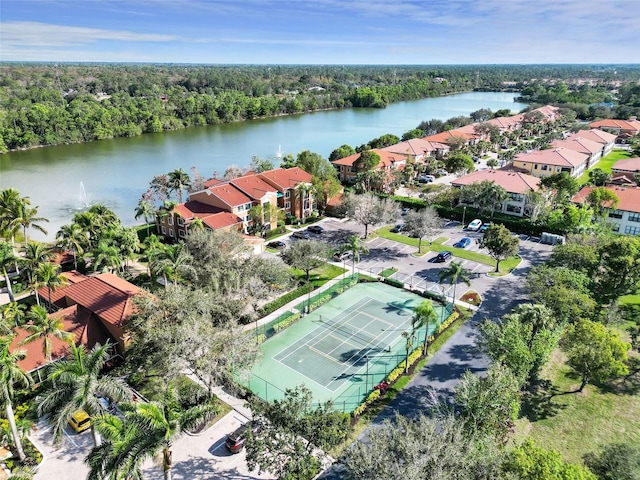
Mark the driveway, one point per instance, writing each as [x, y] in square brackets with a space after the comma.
[202, 456]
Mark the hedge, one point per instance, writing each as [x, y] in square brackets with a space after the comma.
[394, 282]
[275, 232]
[286, 322]
[284, 299]
[432, 295]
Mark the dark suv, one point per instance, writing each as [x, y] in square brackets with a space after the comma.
[235, 440]
[442, 256]
[301, 234]
[315, 229]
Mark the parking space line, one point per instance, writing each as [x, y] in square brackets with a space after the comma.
[66, 434]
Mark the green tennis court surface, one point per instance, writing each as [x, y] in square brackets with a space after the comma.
[343, 349]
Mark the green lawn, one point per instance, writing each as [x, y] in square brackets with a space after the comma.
[506, 266]
[580, 423]
[606, 163]
[321, 275]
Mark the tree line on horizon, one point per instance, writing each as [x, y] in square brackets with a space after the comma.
[53, 104]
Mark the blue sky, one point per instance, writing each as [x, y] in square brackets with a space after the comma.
[321, 31]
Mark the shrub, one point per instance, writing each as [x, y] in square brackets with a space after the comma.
[433, 296]
[275, 232]
[393, 282]
[284, 299]
[282, 324]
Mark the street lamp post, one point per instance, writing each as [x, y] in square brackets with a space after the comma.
[366, 378]
[464, 214]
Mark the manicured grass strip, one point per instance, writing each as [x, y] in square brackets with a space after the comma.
[321, 275]
[580, 423]
[606, 163]
[387, 272]
[506, 266]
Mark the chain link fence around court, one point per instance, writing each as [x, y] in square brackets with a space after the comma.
[268, 330]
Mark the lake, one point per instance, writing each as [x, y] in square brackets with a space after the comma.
[62, 180]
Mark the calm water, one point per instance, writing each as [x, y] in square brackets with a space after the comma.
[117, 172]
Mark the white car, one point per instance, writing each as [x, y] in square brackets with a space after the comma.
[475, 225]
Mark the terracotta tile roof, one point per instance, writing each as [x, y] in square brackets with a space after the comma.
[191, 209]
[71, 277]
[229, 194]
[512, 182]
[86, 328]
[629, 197]
[549, 111]
[506, 123]
[578, 144]
[628, 165]
[445, 137]
[253, 186]
[213, 181]
[597, 136]
[386, 158]
[622, 178]
[416, 147]
[562, 157]
[627, 125]
[287, 178]
[221, 220]
[106, 295]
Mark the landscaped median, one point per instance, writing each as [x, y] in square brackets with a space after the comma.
[506, 266]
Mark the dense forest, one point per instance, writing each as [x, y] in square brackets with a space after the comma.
[51, 104]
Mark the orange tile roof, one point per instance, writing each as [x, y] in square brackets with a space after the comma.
[194, 208]
[613, 123]
[597, 136]
[512, 182]
[549, 111]
[628, 165]
[416, 147]
[213, 181]
[229, 194]
[71, 277]
[221, 220]
[505, 123]
[286, 178]
[253, 186]
[557, 156]
[629, 197]
[445, 137]
[386, 158]
[85, 327]
[106, 295]
[578, 144]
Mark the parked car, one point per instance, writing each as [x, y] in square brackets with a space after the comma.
[464, 242]
[442, 172]
[397, 229]
[341, 256]
[80, 421]
[426, 178]
[484, 227]
[442, 257]
[276, 244]
[405, 210]
[301, 234]
[315, 229]
[235, 440]
[476, 159]
[475, 225]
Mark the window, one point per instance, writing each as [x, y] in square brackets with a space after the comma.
[535, 167]
[181, 233]
[247, 206]
[634, 217]
[161, 219]
[543, 168]
[171, 233]
[632, 230]
[287, 194]
[180, 222]
[164, 231]
[615, 214]
[287, 205]
[170, 221]
[615, 227]
[517, 197]
[514, 208]
[240, 208]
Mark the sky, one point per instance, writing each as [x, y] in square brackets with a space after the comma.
[400, 32]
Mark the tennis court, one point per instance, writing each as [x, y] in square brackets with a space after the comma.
[344, 348]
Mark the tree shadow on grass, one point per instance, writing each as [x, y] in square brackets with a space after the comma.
[538, 402]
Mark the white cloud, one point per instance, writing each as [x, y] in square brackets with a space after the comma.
[35, 34]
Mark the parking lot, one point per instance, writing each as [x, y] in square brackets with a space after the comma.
[202, 456]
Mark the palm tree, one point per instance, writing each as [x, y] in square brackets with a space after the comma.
[13, 313]
[303, 193]
[106, 257]
[196, 225]
[48, 275]
[179, 179]
[161, 423]
[71, 237]
[174, 262]
[7, 256]
[145, 210]
[75, 384]
[27, 217]
[43, 327]
[409, 337]
[10, 376]
[9, 199]
[353, 244]
[454, 273]
[424, 316]
[35, 254]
